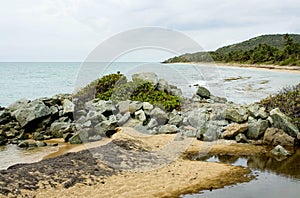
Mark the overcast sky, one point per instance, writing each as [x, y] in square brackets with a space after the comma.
[68, 30]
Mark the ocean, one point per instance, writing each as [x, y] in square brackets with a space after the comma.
[44, 79]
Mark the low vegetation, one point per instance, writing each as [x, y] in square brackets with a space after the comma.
[115, 87]
[288, 101]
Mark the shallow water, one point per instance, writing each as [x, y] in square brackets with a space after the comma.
[275, 178]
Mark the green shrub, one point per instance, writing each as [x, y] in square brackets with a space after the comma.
[138, 90]
[288, 101]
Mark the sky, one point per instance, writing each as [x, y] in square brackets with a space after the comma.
[69, 30]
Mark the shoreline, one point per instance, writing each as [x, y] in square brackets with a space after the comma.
[291, 69]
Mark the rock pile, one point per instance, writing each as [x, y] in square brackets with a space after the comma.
[205, 117]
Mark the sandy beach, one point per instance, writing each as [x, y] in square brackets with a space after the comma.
[292, 69]
[91, 177]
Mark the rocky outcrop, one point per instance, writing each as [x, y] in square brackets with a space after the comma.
[234, 129]
[203, 92]
[256, 128]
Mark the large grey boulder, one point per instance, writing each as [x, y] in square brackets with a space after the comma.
[283, 122]
[147, 107]
[123, 106]
[256, 128]
[163, 86]
[203, 92]
[33, 111]
[237, 114]
[135, 106]
[80, 137]
[274, 136]
[146, 76]
[106, 108]
[234, 129]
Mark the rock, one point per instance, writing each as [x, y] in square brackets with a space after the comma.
[176, 92]
[80, 137]
[188, 131]
[94, 138]
[53, 144]
[23, 144]
[147, 107]
[203, 92]
[237, 114]
[87, 124]
[298, 136]
[234, 129]
[18, 104]
[163, 86]
[104, 127]
[135, 106]
[67, 136]
[124, 119]
[197, 118]
[57, 129]
[140, 115]
[143, 129]
[53, 101]
[160, 115]
[42, 144]
[168, 129]
[68, 108]
[256, 128]
[283, 122]
[209, 132]
[38, 136]
[280, 151]
[274, 136]
[5, 117]
[217, 99]
[23, 136]
[123, 106]
[32, 113]
[152, 123]
[95, 118]
[106, 108]
[3, 140]
[11, 133]
[175, 118]
[257, 111]
[241, 138]
[146, 76]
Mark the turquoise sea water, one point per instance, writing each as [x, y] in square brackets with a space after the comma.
[242, 85]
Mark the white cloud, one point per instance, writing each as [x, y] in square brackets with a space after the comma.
[56, 30]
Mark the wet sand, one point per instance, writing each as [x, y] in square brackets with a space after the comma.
[127, 165]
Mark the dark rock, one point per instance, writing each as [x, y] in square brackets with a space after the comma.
[57, 129]
[67, 136]
[283, 122]
[103, 127]
[53, 144]
[37, 136]
[23, 136]
[203, 92]
[3, 140]
[274, 136]
[23, 144]
[5, 117]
